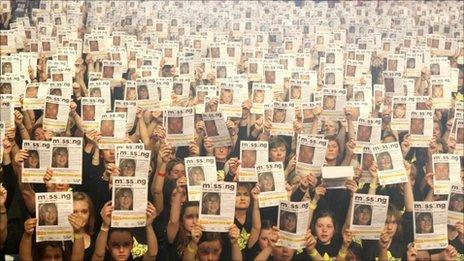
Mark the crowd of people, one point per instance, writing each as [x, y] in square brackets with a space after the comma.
[276, 72]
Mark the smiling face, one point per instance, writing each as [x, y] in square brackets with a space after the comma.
[48, 214]
[127, 167]
[175, 125]
[258, 96]
[424, 223]
[441, 171]
[279, 115]
[60, 158]
[362, 215]
[329, 102]
[33, 159]
[212, 203]
[88, 112]
[399, 111]
[266, 181]
[107, 128]
[288, 222]
[364, 133]
[196, 176]
[124, 199]
[384, 161]
[306, 154]
[227, 96]
[51, 110]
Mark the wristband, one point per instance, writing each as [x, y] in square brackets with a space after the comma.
[373, 186]
[78, 236]
[191, 249]
[161, 174]
[104, 229]
[313, 253]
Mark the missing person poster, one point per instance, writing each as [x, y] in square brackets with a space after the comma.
[178, 124]
[216, 129]
[421, 128]
[333, 103]
[272, 184]
[217, 206]
[92, 109]
[368, 215]
[199, 169]
[293, 220]
[56, 113]
[389, 161]
[252, 153]
[336, 177]
[129, 201]
[112, 129]
[446, 170]
[34, 96]
[310, 153]
[127, 146]
[134, 163]
[35, 166]
[129, 108]
[52, 210]
[430, 225]
[455, 204]
[283, 116]
[401, 112]
[66, 159]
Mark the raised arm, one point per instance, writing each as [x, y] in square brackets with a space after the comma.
[255, 218]
[174, 218]
[100, 243]
[25, 246]
[78, 248]
[151, 237]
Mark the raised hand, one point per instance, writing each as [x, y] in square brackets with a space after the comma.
[151, 213]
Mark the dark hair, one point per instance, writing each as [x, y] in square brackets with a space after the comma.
[210, 237]
[323, 214]
[183, 238]
[392, 211]
[39, 249]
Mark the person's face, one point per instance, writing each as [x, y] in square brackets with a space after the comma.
[7, 68]
[108, 71]
[52, 254]
[359, 96]
[120, 245]
[108, 155]
[400, 111]
[211, 129]
[282, 253]
[364, 216]
[270, 76]
[190, 218]
[253, 68]
[88, 112]
[221, 72]
[248, 158]
[457, 204]
[31, 92]
[279, 116]
[296, 93]
[435, 69]
[81, 208]
[308, 114]
[177, 171]
[329, 103]
[212, 204]
[61, 158]
[209, 251]
[175, 125]
[93, 46]
[221, 153]
[324, 230]
[411, 63]
[437, 91]
[425, 224]
[441, 171]
[178, 89]
[277, 154]
[264, 238]
[417, 126]
[290, 223]
[128, 169]
[226, 97]
[368, 159]
[46, 46]
[330, 127]
[330, 78]
[391, 226]
[125, 200]
[242, 200]
[332, 150]
[33, 160]
[49, 216]
[3, 40]
[143, 93]
[131, 94]
[364, 133]
[266, 182]
[384, 162]
[196, 176]
[107, 128]
[96, 92]
[330, 58]
[259, 96]
[306, 154]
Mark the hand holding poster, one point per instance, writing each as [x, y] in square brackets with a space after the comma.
[336, 177]
[127, 191]
[389, 161]
[430, 225]
[35, 166]
[199, 169]
[293, 223]
[272, 184]
[310, 153]
[251, 153]
[368, 214]
[217, 205]
[52, 210]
